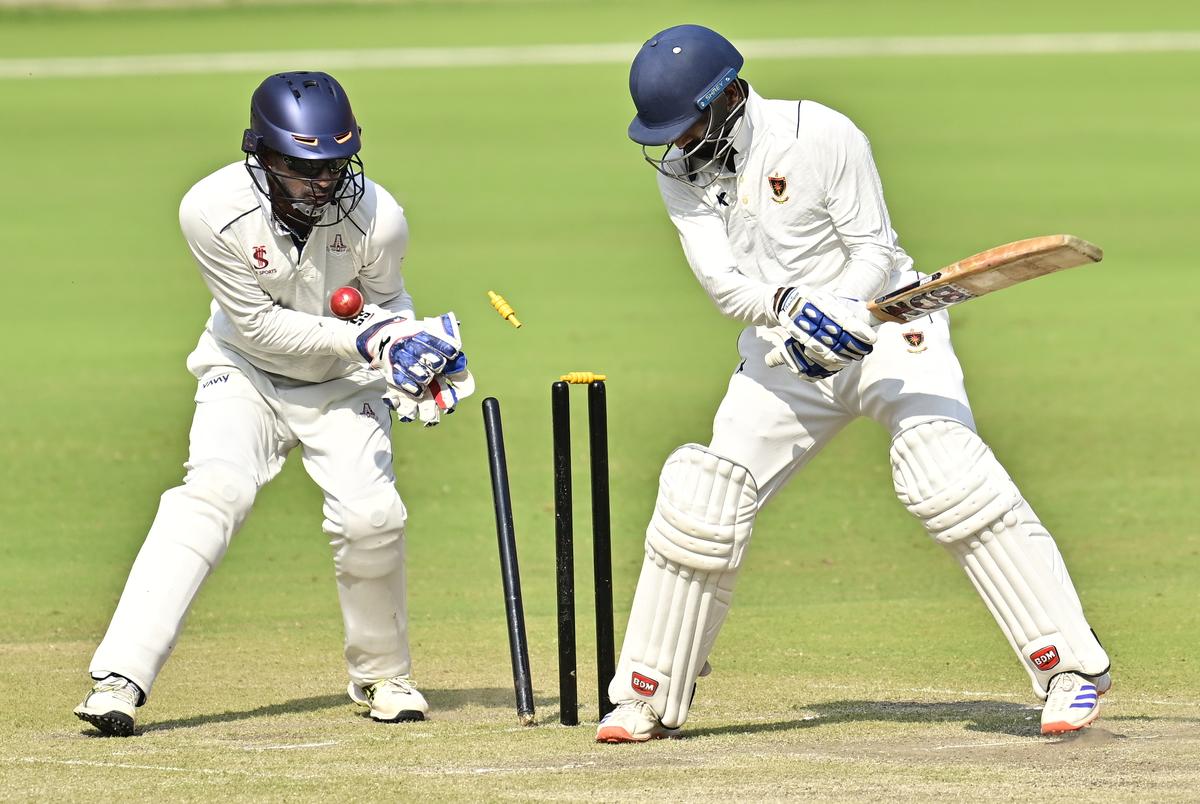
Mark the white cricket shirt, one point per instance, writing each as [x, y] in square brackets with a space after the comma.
[804, 205]
[271, 299]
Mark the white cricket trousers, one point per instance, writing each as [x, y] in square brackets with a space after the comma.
[244, 427]
[773, 422]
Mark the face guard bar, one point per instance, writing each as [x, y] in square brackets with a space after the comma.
[305, 214]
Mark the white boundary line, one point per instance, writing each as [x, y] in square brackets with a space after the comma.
[616, 53]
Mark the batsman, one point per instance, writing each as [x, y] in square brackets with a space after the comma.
[781, 215]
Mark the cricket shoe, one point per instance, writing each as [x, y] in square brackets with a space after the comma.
[632, 722]
[111, 706]
[1073, 702]
[393, 700]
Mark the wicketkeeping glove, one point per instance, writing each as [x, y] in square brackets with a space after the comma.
[442, 395]
[411, 353]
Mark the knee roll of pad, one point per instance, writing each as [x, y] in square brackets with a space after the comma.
[694, 546]
[372, 531]
[217, 493]
[948, 478]
[704, 511]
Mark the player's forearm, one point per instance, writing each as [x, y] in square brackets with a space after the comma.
[736, 295]
[746, 301]
[291, 332]
[865, 274]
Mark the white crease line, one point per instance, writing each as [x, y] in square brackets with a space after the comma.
[90, 763]
[291, 747]
[612, 53]
[493, 770]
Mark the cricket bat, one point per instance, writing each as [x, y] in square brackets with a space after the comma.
[980, 274]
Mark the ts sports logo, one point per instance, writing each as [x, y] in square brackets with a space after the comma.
[1046, 658]
[260, 261]
[643, 686]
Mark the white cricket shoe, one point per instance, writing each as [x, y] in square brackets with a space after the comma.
[632, 722]
[111, 706]
[1073, 702]
[392, 700]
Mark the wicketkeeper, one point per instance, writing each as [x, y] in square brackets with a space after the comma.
[781, 216]
[274, 236]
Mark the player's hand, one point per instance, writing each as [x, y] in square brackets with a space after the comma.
[441, 396]
[411, 353]
[826, 333]
[786, 351]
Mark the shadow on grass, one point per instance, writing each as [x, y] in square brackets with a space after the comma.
[487, 697]
[310, 704]
[996, 717]
[440, 700]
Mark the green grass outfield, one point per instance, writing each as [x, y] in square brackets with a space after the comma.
[857, 662]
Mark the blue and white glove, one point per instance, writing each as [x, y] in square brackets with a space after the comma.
[819, 334]
[411, 353]
[442, 395]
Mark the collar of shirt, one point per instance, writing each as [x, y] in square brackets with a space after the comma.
[745, 132]
[264, 203]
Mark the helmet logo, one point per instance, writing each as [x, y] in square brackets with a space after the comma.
[778, 188]
[715, 89]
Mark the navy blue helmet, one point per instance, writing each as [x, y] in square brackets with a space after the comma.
[678, 78]
[303, 131]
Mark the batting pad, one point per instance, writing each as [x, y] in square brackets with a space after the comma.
[948, 478]
[694, 547]
[367, 537]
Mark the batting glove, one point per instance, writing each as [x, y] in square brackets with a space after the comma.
[825, 333]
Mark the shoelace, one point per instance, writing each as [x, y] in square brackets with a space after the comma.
[640, 705]
[401, 682]
[1084, 695]
[121, 688]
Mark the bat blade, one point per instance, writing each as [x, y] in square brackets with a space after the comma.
[980, 274]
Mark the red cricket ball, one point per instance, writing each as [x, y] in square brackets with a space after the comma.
[346, 302]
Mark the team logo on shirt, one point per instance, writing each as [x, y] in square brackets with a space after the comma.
[337, 246]
[915, 340]
[260, 259]
[368, 411]
[778, 188]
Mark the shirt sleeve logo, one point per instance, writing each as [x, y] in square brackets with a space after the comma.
[337, 246]
[778, 186]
